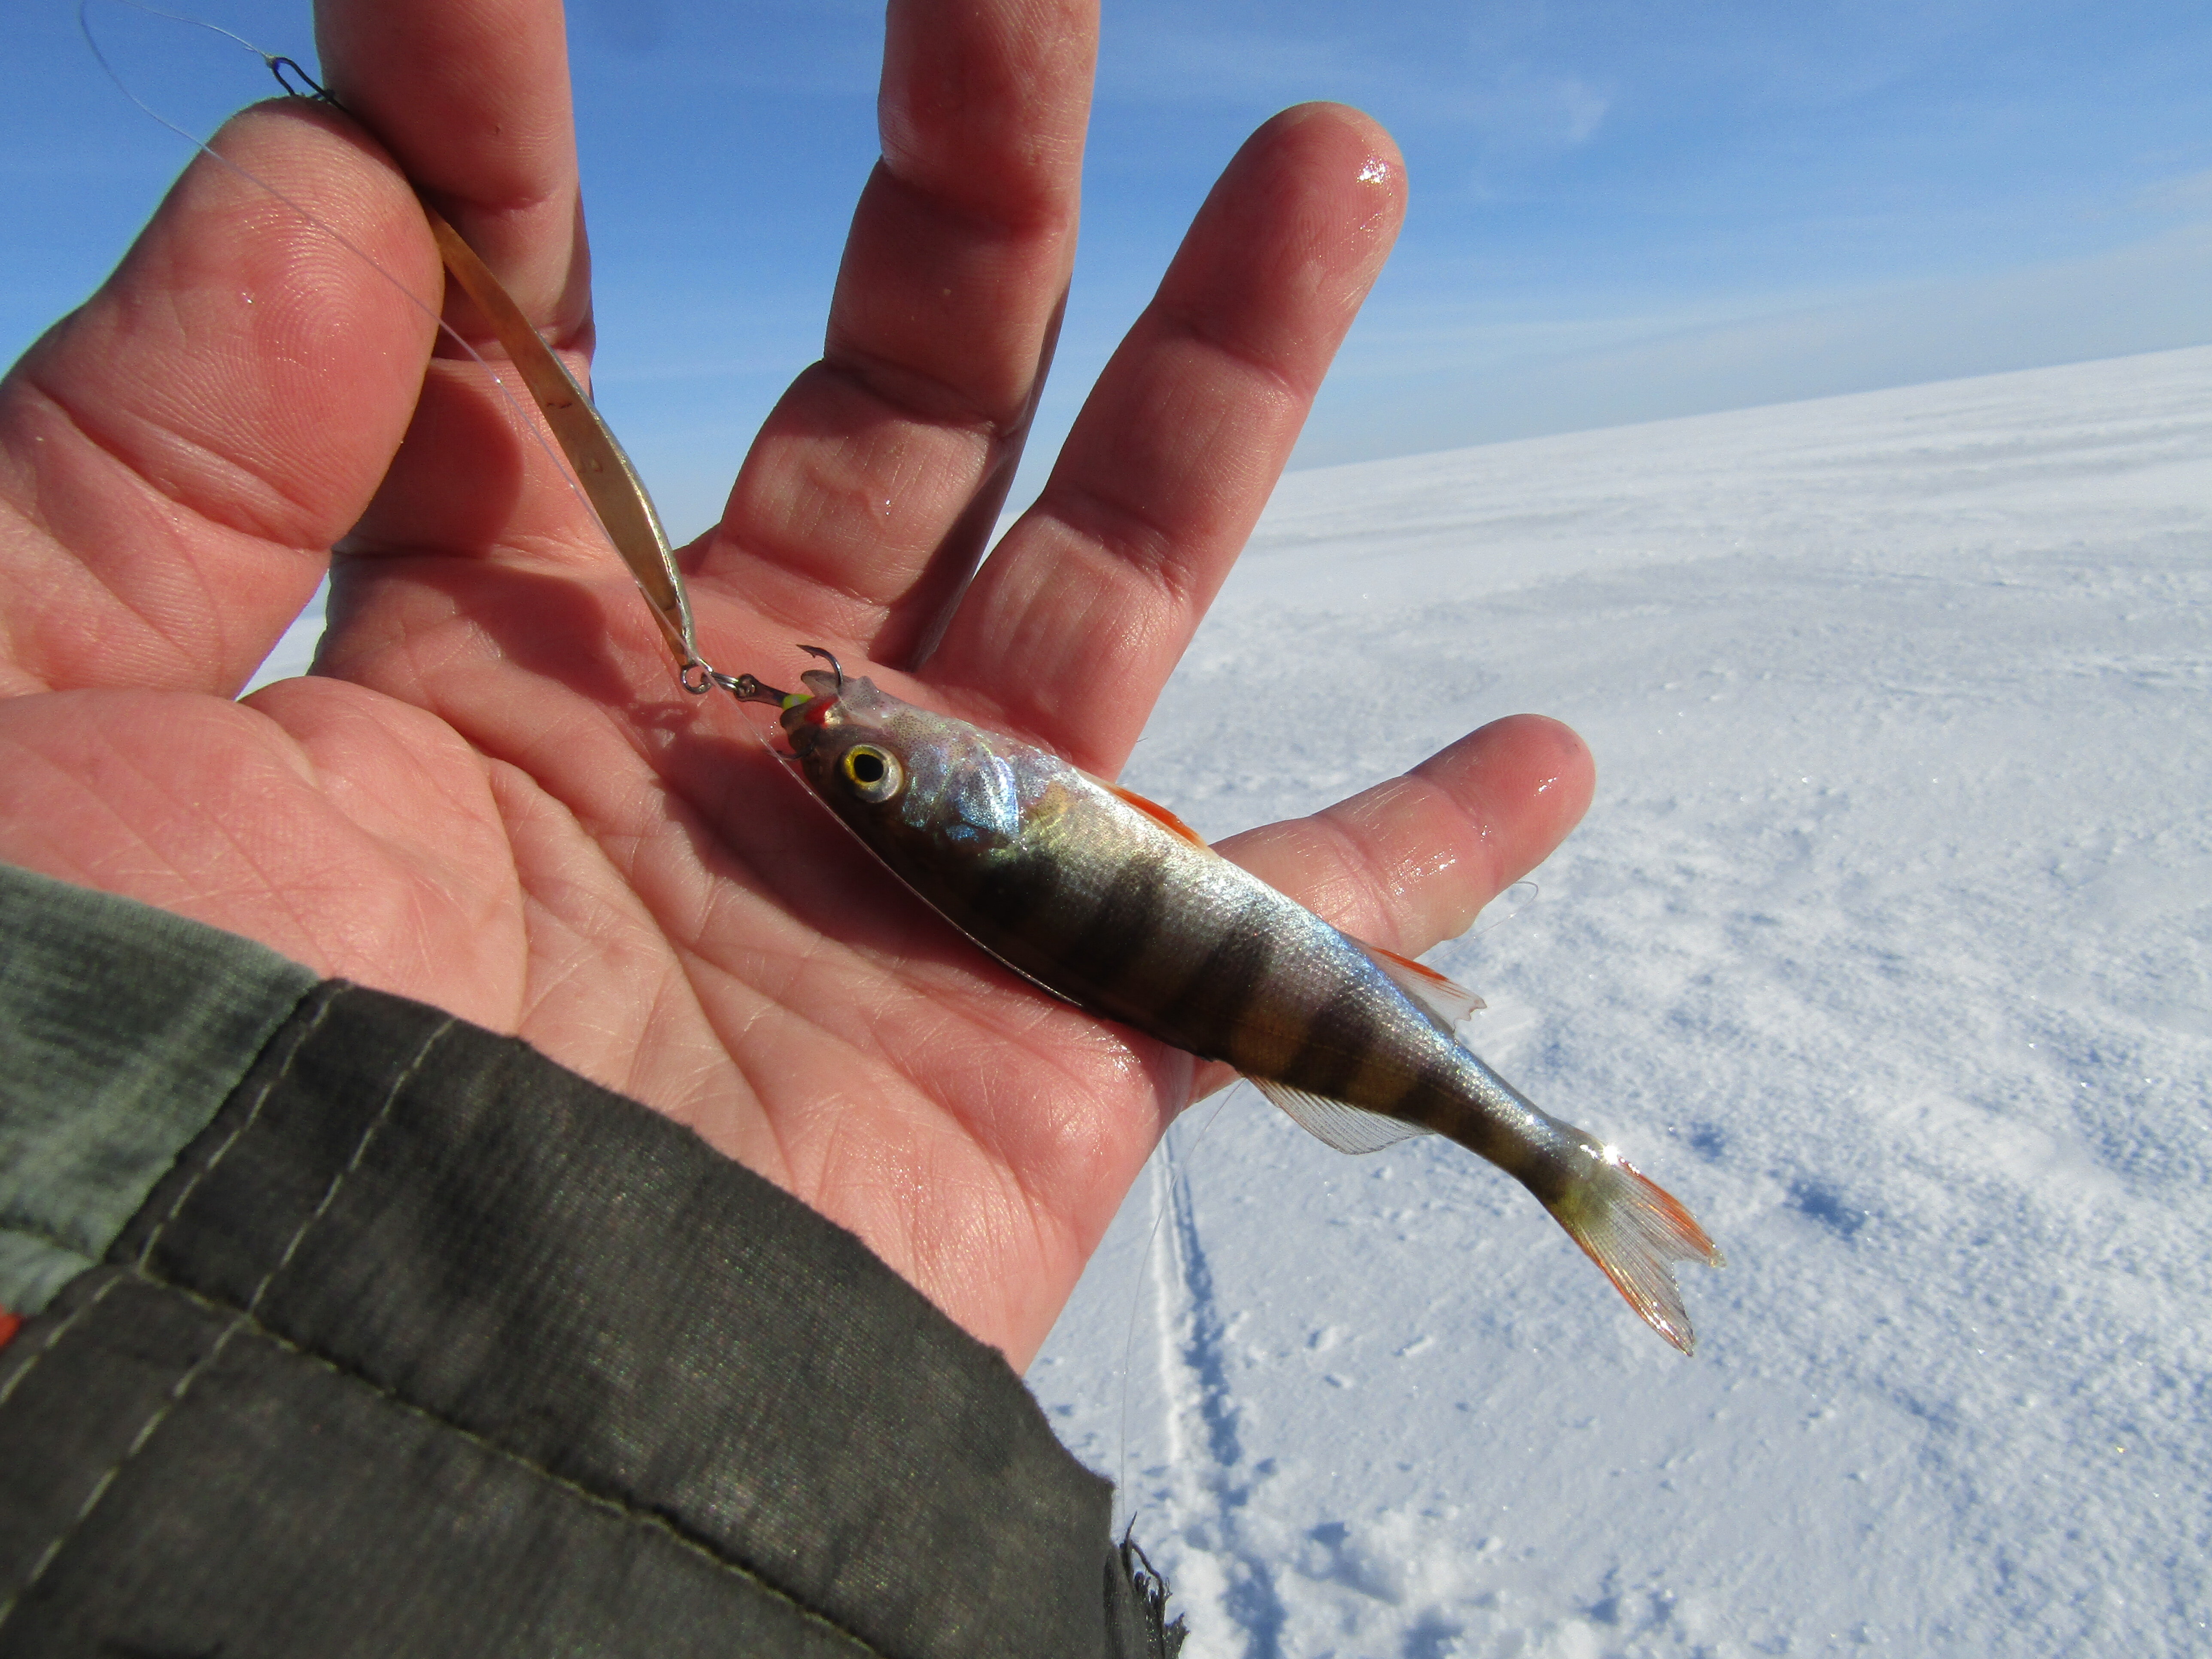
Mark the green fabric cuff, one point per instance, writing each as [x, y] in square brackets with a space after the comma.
[123, 1028]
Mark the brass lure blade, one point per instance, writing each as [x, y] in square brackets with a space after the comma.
[610, 482]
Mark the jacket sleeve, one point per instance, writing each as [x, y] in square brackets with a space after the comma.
[354, 1328]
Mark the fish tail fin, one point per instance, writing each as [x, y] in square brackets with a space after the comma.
[1635, 1230]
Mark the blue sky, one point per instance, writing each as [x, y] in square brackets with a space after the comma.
[1619, 211]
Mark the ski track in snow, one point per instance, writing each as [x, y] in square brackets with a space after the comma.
[1887, 945]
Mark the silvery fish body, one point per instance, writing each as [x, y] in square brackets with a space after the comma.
[1108, 901]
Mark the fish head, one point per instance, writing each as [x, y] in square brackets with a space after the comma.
[902, 777]
[841, 733]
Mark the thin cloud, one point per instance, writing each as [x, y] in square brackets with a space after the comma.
[1500, 112]
[2188, 192]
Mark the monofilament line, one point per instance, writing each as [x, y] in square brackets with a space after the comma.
[531, 429]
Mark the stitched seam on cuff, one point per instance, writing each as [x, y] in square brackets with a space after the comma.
[650, 1519]
[299, 1041]
[53, 1336]
[183, 1385]
[247, 1320]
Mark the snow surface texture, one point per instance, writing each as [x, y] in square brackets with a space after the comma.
[1883, 947]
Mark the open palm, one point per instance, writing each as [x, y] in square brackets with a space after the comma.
[493, 796]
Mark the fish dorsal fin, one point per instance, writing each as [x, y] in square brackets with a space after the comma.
[1450, 1001]
[1347, 1129]
[1157, 813]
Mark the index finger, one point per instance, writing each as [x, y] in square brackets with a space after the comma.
[471, 99]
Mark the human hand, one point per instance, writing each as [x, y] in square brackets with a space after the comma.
[492, 796]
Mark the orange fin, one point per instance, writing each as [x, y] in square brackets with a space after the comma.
[1635, 1230]
[1450, 1001]
[1158, 814]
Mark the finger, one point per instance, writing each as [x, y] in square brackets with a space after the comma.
[177, 457]
[472, 99]
[871, 489]
[1073, 624]
[1411, 861]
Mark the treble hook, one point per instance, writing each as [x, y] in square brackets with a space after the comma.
[698, 679]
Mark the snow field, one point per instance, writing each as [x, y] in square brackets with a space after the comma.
[1885, 946]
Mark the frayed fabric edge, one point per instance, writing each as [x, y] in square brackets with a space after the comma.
[1136, 1604]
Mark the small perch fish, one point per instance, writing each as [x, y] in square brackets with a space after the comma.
[1112, 903]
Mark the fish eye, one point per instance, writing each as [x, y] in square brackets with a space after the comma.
[875, 776]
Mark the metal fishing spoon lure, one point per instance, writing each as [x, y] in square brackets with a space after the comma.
[609, 482]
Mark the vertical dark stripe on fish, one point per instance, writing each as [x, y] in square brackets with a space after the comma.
[1009, 892]
[1336, 1043]
[1126, 920]
[1214, 997]
[1440, 1097]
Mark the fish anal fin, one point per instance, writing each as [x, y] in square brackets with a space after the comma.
[1448, 1001]
[1635, 1230]
[1157, 813]
[1347, 1129]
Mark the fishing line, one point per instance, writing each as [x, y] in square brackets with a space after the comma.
[1177, 1170]
[276, 63]
[1523, 893]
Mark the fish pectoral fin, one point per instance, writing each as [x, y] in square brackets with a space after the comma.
[1157, 813]
[1348, 1128]
[1447, 999]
